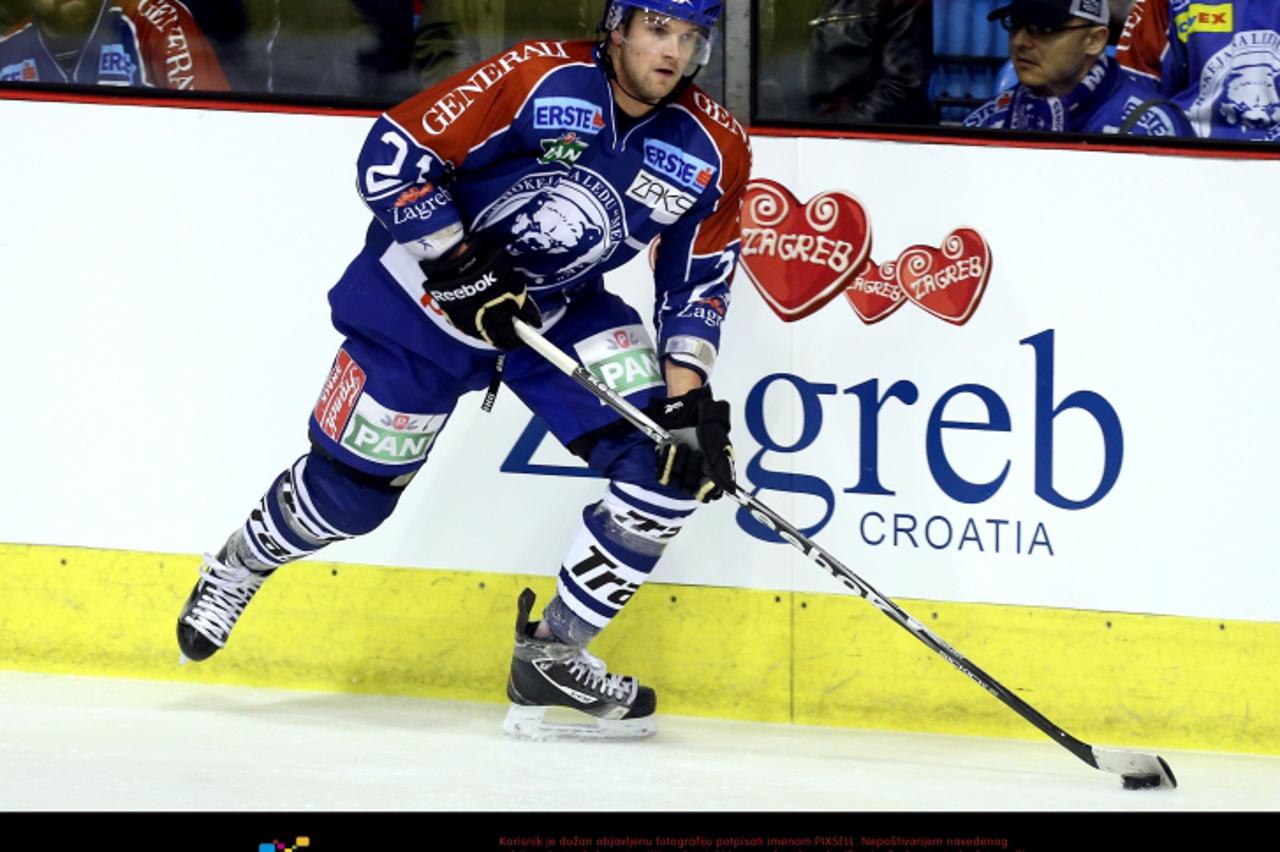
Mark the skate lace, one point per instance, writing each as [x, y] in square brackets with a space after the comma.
[590, 671]
[226, 592]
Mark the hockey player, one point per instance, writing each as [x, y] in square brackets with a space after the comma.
[1220, 62]
[1065, 80]
[508, 191]
[151, 43]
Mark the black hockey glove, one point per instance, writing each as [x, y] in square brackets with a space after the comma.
[481, 293]
[701, 460]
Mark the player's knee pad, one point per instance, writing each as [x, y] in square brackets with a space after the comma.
[316, 501]
[617, 546]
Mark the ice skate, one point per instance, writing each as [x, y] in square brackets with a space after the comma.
[584, 701]
[215, 604]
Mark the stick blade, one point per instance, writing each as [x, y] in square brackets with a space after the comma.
[1135, 764]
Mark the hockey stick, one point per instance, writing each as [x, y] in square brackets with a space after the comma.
[1137, 769]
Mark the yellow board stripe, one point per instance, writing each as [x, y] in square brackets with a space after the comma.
[1108, 678]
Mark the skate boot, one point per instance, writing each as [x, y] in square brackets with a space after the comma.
[215, 604]
[547, 674]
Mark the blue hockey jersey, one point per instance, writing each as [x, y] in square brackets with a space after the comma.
[526, 148]
[1100, 103]
[1219, 61]
[151, 43]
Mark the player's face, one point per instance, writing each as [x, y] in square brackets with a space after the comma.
[653, 52]
[1053, 62]
[65, 17]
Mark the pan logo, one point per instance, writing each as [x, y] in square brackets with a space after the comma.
[802, 256]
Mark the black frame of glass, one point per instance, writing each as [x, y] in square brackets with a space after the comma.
[324, 103]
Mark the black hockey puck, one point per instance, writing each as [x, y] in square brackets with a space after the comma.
[1140, 782]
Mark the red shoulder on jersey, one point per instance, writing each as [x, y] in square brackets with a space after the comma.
[176, 53]
[1146, 33]
[729, 136]
[724, 225]
[459, 113]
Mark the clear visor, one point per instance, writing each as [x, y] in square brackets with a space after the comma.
[663, 36]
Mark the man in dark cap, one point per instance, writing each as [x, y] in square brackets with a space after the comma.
[1065, 80]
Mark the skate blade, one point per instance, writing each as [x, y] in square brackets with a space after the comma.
[555, 724]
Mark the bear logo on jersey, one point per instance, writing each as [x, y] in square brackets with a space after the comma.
[1239, 82]
[557, 226]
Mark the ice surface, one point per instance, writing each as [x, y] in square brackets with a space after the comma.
[102, 744]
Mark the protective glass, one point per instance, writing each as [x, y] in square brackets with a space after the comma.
[663, 35]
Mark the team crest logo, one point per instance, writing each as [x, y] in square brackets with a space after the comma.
[566, 148]
[1239, 84]
[557, 225]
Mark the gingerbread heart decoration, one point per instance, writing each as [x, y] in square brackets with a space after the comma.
[874, 292]
[801, 256]
[947, 282]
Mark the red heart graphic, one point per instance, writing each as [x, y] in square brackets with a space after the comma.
[874, 292]
[801, 256]
[947, 282]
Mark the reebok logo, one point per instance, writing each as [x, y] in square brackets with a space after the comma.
[466, 291]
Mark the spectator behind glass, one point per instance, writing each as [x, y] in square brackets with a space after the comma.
[871, 61]
[153, 43]
[456, 34]
[1065, 80]
[1219, 62]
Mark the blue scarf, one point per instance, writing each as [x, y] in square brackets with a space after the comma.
[1029, 111]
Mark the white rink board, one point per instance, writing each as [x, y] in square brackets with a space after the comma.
[165, 335]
